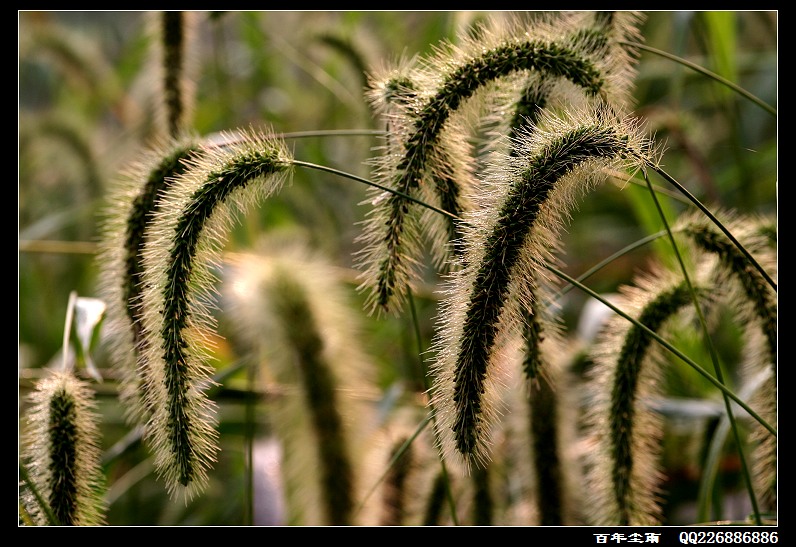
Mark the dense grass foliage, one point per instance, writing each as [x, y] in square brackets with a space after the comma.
[397, 268]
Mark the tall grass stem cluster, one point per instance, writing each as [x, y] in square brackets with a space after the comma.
[385, 318]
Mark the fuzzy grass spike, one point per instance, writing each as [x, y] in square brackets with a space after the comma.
[187, 234]
[430, 135]
[513, 235]
[293, 315]
[64, 451]
[624, 473]
[132, 203]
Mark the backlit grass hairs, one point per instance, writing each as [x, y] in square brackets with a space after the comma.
[291, 311]
[183, 246]
[131, 203]
[534, 465]
[392, 91]
[551, 478]
[174, 34]
[63, 451]
[401, 468]
[548, 430]
[426, 127]
[623, 471]
[394, 491]
[512, 235]
[754, 304]
[754, 298]
[536, 91]
[551, 432]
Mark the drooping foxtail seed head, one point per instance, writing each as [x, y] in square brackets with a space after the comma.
[752, 297]
[63, 449]
[592, 32]
[588, 31]
[451, 167]
[391, 89]
[174, 63]
[293, 315]
[624, 475]
[183, 247]
[446, 83]
[514, 234]
[132, 203]
[754, 304]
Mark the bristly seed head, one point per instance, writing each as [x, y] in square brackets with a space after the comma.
[186, 238]
[507, 251]
[422, 153]
[63, 448]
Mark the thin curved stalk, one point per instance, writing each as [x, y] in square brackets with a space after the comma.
[428, 386]
[702, 70]
[375, 185]
[606, 261]
[669, 347]
[712, 349]
[332, 133]
[716, 221]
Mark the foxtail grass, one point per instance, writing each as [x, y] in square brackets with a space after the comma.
[596, 31]
[624, 474]
[754, 306]
[291, 311]
[514, 233]
[553, 476]
[176, 33]
[429, 133]
[130, 207]
[502, 134]
[754, 298]
[185, 238]
[62, 449]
